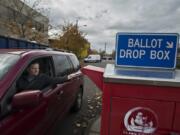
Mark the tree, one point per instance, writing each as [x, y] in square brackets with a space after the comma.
[93, 51]
[84, 52]
[102, 53]
[72, 39]
[21, 20]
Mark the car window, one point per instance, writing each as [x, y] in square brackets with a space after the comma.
[6, 62]
[62, 65]
[26, 81]
[75, 62]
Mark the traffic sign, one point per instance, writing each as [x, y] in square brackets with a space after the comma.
[146, 50]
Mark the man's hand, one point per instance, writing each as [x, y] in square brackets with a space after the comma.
[70, 76]
[73, 75]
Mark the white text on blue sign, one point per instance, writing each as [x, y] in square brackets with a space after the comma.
[140, 43]
[146, 50]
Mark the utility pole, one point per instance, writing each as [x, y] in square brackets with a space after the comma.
[77, 23]
[105, 47]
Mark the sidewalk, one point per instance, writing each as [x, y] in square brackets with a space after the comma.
[95, 127]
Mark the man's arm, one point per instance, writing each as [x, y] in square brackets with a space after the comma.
[21, 84]
[54, 80]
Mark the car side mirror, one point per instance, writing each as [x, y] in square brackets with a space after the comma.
[27, 99]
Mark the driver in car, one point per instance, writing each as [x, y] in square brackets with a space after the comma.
[35, 80]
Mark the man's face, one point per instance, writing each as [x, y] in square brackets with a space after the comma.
[34, 69]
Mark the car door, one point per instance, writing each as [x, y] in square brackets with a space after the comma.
[64, 68]
[77, 79]
[52, 96]
[34, 120]
[21, 121]
[24, 121]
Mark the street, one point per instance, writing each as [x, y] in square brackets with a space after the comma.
[77, 124]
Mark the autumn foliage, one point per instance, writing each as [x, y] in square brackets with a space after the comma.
[20, 21]
[72, 40]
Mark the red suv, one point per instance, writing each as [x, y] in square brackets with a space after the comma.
[33, 112]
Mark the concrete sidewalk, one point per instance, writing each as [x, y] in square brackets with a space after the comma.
[95, 127]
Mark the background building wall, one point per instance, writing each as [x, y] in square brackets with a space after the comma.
[39, 22]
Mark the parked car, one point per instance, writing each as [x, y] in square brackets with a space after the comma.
[33, 112]
[93, 58]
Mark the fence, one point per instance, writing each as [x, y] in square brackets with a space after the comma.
[7, 42]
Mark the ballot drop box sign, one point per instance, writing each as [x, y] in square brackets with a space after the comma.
[147, 50]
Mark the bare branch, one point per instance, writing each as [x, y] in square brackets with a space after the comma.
[22, 19]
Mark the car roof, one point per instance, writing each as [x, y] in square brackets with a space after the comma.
[35, 52]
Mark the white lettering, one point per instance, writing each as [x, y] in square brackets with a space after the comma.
[132, 54]
[136, 44]
[135, 54]
[153, 55]
[166, 55]
[142, 53]
[128, 53]
[160, 55]
[122, 53]
[130, 42]
[145, 43]
[154, 43]
[147, 46]
[160, 41]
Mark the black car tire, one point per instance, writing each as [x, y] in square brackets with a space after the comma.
[78, 101]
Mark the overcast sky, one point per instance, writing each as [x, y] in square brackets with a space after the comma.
[104, 18]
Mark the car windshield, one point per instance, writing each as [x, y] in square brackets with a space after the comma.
[6, 62]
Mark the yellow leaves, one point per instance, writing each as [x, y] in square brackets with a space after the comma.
[73, 40]
[85, 51]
